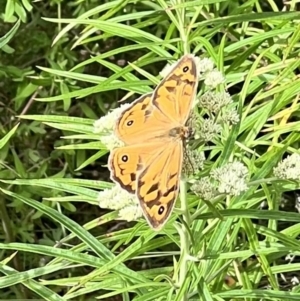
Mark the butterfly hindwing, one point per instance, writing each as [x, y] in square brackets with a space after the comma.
[125, 163]
[158, 183]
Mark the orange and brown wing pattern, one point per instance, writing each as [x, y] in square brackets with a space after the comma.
[158, 184]
[125, 163]
[141, 123]
[130, 125]
[175, 93]
[153, 130]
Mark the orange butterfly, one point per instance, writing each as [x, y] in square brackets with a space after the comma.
[154, 129]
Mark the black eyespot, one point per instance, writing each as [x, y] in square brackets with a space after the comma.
[130, 122]
[161, 210]
[185, 69]
[125, 158]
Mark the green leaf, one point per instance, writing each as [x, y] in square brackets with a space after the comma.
[6, 138]
[9, 10]
[35, 286]
[6, 38]
[95, 245]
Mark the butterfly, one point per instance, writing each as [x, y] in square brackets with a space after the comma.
[153, 129]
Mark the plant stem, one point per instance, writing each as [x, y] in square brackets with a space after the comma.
[182, 30]
[184, 237]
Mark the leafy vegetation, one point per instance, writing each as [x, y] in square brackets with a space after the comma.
[63, 65]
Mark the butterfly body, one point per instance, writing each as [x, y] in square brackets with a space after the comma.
[154, 131]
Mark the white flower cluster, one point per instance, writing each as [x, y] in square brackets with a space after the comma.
[289, 168]
[229, 179]
[214, 101]
[204, 188]
[205, 65]
[117, 198]
[214, 78]
[231, 116]
[217, 105]
[193, 161]
[208, 130]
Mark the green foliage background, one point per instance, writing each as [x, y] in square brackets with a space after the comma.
[63, 64]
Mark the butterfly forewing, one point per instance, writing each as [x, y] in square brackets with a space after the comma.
[131, 122]
[141, 122]
[174, 95]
